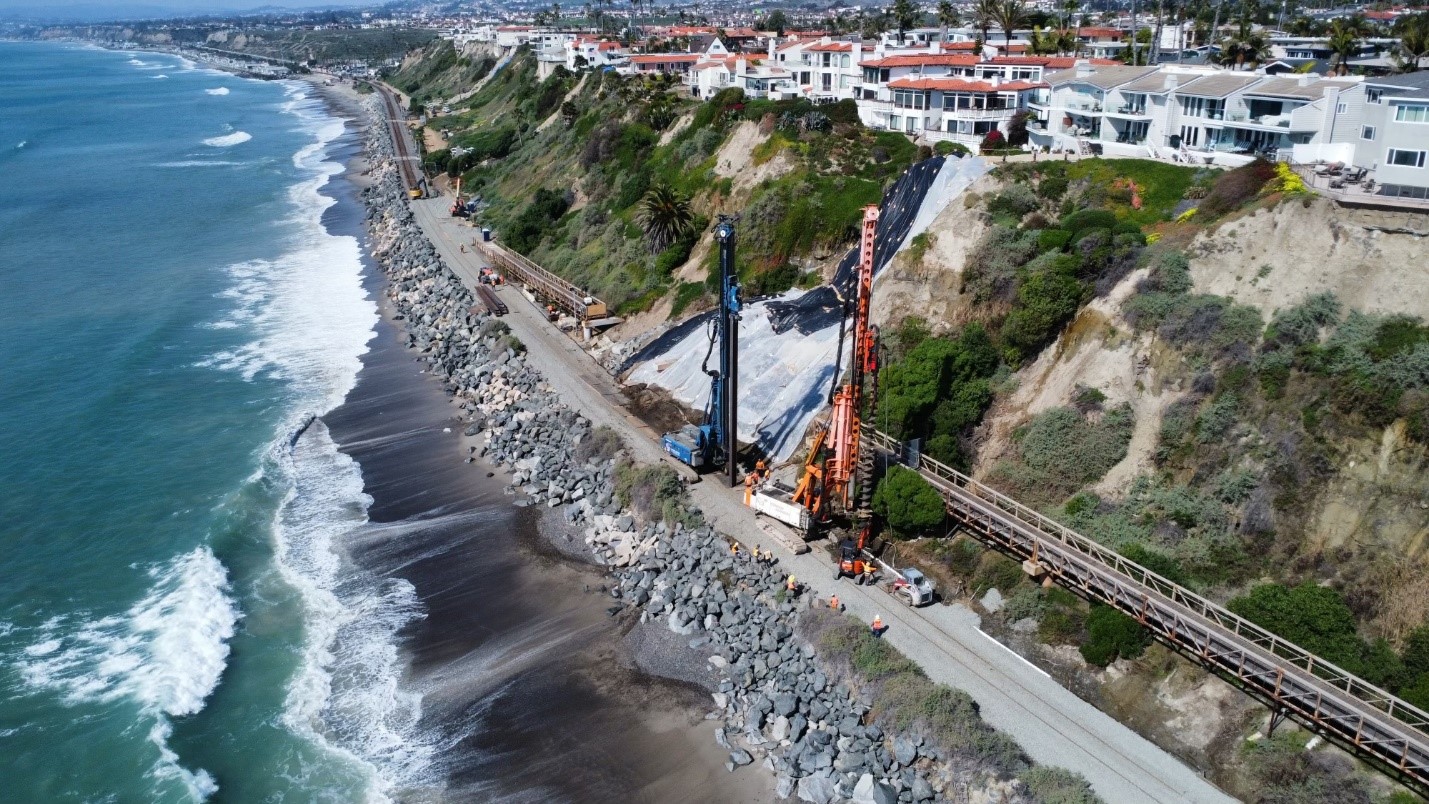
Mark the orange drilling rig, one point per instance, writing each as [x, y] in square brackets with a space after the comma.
[835, 479]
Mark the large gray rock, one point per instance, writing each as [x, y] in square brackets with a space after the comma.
[921, 790]
[740, 757]
[818, 789]
[904, 750]
[785, 704]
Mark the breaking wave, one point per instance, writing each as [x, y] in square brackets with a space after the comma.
[228, 140]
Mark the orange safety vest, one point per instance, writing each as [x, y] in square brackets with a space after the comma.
[834, 602]
[877, 623]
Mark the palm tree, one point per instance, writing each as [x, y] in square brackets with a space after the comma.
[947, 16]
[1413, 30]
[1246, 45]
[1010, 14]
[984, 17]
[1345, 41]
[665, 215]
[904, 14]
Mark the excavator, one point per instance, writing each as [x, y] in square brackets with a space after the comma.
[836, 473]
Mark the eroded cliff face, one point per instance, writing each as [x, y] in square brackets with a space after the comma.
[927, 282]
[1373, 261]
[1358, 521]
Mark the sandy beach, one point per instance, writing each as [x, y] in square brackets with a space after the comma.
[532, 690]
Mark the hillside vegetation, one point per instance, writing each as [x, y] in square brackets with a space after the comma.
[565, 163]
[1269, 458]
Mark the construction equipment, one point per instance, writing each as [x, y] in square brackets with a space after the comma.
[837, 469]
[458, 209]
[912, 586]
[714, 442]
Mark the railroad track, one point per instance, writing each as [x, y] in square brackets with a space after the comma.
[1292, 681]
[401, 141]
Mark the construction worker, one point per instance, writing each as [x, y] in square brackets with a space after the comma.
[755, 554]
[834, 603]
[734, 549]
[877, 626]
[768, 556]
[759, 467]
[868, 572]
[791, 586]
[749, 487]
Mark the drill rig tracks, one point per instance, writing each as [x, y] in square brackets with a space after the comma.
[1292, 681]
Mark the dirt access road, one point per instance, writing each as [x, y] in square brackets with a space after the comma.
[1051, 724]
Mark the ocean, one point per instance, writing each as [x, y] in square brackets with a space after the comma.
[243, 556]
[175, 309]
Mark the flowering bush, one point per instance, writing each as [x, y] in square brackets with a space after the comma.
[1287, 181]
[1187, 215]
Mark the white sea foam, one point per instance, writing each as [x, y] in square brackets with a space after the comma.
[161, 75]
[311, 319]
[137, 63]
[21, 144]
[192, 163]
[217, 91]
[346, 695]
[228, 140]
[166, 654]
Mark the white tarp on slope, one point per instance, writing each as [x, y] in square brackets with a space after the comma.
[784, 378]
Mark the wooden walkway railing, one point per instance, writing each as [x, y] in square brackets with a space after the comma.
[1292, 680]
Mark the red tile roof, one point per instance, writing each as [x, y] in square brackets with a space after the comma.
[964, 85]
[924, 60]
[666, 58]
[832, 47]
[1094, 30]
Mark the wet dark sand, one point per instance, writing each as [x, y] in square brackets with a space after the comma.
[525, 679]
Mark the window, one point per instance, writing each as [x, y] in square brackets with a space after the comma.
[844, 61]
[1414, 159]
[1367, 132]
[1373, 95]
[1340, 108]
[1411, 114]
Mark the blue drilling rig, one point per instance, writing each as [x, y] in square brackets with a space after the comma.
[713, 443]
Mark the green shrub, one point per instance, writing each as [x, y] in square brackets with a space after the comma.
[946, 148]
[599, 445]
[1053, 239]
[1112, 635]
[1159, 563]
[685, 295]
[1085, 219]
[1312, 616]
[1062, 450]
[1299, 325]
[654, 492]
[1046, 301]
[907, 503]
[1050, 785]
[1017, 200]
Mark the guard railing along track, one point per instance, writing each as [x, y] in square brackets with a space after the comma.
[1292, 680]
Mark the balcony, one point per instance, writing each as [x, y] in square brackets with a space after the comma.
[1129, 112]
[970, 140]
[979, 114]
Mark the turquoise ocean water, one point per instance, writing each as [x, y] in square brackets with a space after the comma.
[173, 307]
